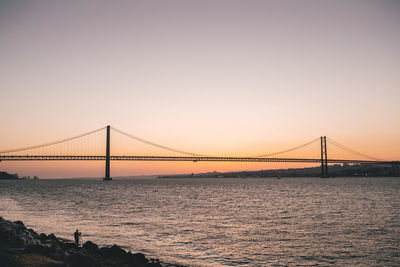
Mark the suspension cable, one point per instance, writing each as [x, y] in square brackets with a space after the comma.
[288, 150]
[51, 143]
[154, 144]
[351, 150]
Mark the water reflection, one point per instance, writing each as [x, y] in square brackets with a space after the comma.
[221, 221]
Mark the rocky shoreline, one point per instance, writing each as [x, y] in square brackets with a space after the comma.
[20, 246]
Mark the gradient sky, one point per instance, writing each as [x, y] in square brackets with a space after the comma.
[204, 76]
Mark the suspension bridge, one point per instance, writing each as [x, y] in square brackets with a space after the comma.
[99, 141]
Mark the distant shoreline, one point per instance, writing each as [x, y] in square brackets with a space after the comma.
[7, 176]
[336, 170]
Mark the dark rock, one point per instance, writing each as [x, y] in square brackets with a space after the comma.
[16, 241]
[19, 223]
[7, 260]
[138, 259]
[112, 252]
[52, 236]
[69, 246]
[20, 242]
[82, 260]
[46, 251]
[43, 237]
[91, 247]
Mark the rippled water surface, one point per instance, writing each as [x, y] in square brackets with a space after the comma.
[221, 222]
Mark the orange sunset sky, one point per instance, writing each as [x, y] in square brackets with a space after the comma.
[209, 77]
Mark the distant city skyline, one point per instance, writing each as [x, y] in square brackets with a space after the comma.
[204, 76]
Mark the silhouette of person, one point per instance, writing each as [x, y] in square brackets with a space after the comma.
[77, 234]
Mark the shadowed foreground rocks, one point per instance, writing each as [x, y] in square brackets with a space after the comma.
[20, 246]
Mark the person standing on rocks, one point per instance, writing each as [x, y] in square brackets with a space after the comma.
[77, 234]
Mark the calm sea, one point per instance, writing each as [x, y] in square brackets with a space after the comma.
[221, 222]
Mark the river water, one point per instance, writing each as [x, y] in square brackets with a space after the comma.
[221, 222]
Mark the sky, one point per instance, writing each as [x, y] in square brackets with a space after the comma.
[210, 77]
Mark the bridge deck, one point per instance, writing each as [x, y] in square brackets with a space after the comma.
[194, 159]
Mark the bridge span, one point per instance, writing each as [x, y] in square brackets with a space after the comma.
[10, 155]
[194, 159]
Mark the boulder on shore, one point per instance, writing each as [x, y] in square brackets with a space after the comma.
[20, 246]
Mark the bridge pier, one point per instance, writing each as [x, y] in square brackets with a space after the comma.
[107, 174]
[324, 158]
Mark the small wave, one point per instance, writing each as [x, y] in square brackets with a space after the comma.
[132, 223]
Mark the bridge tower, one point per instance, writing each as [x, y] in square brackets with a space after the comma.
[324, 158]
[107, 175]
